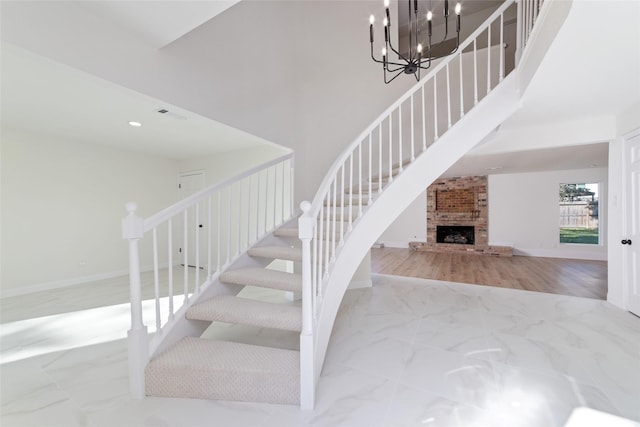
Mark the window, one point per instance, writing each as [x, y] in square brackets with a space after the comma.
[579, 214]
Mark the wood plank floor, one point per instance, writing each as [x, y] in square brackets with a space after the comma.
[579, 278]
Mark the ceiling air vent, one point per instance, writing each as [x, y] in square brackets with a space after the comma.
[170, 114]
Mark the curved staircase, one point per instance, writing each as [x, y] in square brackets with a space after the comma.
[461, 101]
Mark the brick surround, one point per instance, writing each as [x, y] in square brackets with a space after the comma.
[459, 201]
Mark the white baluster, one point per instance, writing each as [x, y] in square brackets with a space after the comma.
[321, 237]
[249, 211]
[329, 234]
[314, 270]
[282, 191]
[424, 121]
[238, 219]
[209, 238]
[185, 257]
[342, 209]
[196, 226]
[435, 107]
[291, 186]
[230, 198]
[370, 171]
[461, 87]
[335, 218]
[219, 228]
[448, 98]
[266, 203]
[475, 72]
[170, 258]
[156, 279]
[258, 205]
[413, 153]
[360, 183]
[488, 59]
[390, 147]
[275, 196]
[350, 191]
[380, 158]
[400, 156]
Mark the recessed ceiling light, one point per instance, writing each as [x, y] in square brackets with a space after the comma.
[135, 124]
[493, 168]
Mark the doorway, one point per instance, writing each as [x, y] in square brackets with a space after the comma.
[193, 225]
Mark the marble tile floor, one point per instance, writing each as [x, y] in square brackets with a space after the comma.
[406, 352]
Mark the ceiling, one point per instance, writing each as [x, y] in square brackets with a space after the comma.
[46, 97]
[43, 97]
[547, 159]
[158, 23]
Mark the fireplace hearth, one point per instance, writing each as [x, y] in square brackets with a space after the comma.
[456, 234]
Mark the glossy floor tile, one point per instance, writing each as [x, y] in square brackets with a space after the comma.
[406, 352]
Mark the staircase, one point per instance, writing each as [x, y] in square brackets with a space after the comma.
[250, 222]
[208, 369]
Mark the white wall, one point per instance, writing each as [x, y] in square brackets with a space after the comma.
[524, 213]
[411, 225]
[62, 205]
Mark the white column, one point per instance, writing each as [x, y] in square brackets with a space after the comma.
[133, 230]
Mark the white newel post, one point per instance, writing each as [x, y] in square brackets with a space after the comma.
[133, 230]
[307, 365]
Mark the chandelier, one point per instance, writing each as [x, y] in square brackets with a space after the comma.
[421, 51]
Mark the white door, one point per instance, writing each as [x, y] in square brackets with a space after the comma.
[188, 184]
[631, 238]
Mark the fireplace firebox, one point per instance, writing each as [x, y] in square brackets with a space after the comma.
[457, 234]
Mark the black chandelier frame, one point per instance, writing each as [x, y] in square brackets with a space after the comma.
[418, 57]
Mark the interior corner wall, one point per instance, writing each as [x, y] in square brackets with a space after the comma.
[62, 206]
[410, 226]
[225, 165]
[524, 213]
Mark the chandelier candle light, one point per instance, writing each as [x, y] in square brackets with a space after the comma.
[419, 57]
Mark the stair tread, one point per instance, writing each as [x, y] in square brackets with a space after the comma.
[277, 252]
[223, 370]
[264, 278]
[286, 232]
[232, 309]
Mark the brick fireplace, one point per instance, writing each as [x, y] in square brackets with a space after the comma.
[458, 218]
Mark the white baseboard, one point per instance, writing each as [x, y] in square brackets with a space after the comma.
[360, 284]
[557, 253]
[64, 283]
[403, 245]
[57, 284]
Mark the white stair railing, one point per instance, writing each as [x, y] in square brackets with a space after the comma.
[192, 242]
[391, 143]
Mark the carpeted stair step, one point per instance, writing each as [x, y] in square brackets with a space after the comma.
[354, 200]
[375, 185]
[395, 169]
[286, 232]
[232, 309]
[264, 278]
[221, 370]
[291, 231]
[277, 252]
